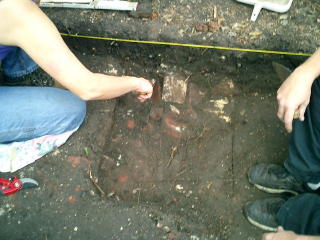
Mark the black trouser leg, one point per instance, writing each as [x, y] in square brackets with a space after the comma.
[301, 214]
[304, 147]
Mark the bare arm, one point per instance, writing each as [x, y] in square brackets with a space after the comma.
[28, 27]
[294, 93]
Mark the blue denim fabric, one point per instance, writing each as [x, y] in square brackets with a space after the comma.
[31, 112]
[4, 51]
[17, 64]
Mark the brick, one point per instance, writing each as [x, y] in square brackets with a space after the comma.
[174, 88]
[131, 124]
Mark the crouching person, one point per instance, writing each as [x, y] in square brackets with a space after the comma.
[36, 120]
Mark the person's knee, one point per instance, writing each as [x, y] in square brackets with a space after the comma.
[74, 109]
[38, 112]
[65, 110]
[80, 114]
[307, 197]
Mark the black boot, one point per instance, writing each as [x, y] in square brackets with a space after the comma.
[263, 213]
[272, 178]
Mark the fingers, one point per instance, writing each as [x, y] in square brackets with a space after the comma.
[268, 236]
[282, 107]
[280, 229]
[288, 118]
[286, 114]
[144, 96]
[302, 110]
[144, 90]
[280, 113]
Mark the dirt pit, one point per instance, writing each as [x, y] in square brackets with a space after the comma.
[173, 167]
[188, 153]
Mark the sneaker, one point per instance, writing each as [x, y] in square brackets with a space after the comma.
[273, 178]
[38, 78]
[263, 213]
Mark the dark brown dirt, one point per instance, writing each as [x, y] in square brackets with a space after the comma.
[190, 160]
[209, 22]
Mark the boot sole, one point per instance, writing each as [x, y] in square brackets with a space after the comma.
[261, 226]
[274, 190]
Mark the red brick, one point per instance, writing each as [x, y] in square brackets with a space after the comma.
[131, 124]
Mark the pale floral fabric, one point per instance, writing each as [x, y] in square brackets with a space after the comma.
[17, 155]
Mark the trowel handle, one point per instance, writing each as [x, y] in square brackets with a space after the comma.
[256, 11]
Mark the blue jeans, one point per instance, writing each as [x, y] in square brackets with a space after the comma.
[17, 64]
[30, 112]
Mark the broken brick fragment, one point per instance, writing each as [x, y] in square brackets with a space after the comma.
[172, 123]
[75, 161]
[122, 179]
[213, 26]
[201, 27]
[131, 124]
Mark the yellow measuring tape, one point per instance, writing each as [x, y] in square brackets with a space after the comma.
[187, 45]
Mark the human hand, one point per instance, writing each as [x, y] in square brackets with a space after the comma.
[294, 95]
[144, 89]
[281, 234]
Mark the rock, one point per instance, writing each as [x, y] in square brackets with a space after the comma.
[174, 109]
[144, 10]
[194, 237]
[202, 27]
[159, 225]
[167, 229]
[213, 26]
[179, 188]
[283, 17]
